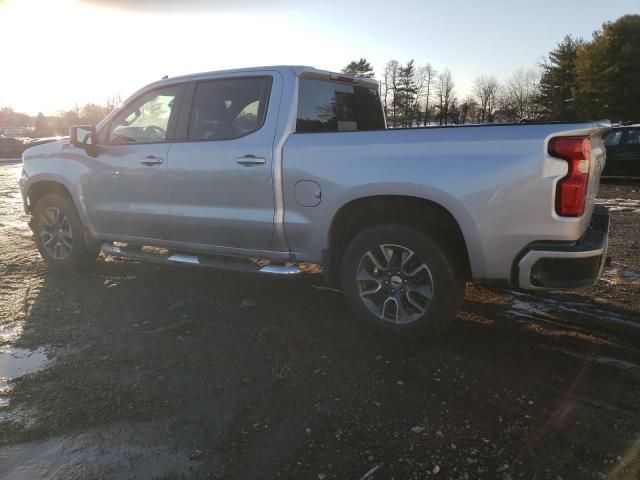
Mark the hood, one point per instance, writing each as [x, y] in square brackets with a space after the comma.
[46, 148]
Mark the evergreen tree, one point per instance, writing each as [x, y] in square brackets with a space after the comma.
[359, 68]
[558, 82]
[608, 72]
[406, 93]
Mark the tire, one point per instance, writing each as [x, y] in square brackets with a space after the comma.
[407, 286]
[60, 235]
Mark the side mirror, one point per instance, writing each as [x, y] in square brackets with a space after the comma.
[84, 136]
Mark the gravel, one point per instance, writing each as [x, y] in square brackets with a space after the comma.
[158, 372]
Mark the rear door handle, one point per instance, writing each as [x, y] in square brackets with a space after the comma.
[151, 160]
[251, 160]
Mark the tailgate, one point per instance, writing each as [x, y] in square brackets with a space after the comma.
[596, 165]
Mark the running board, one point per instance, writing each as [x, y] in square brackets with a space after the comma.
[222, 263]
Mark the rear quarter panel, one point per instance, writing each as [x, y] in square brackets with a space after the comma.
[498, 182]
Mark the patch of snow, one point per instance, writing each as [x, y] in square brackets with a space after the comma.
[620, 204]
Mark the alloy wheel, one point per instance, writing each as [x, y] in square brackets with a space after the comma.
[394, 283]
[55, 233]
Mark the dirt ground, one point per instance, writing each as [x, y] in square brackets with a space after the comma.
[140, 371]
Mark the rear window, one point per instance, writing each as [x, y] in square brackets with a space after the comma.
[336, 107]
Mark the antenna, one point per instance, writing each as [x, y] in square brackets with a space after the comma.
[165, 77]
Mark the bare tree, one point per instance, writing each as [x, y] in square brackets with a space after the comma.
[485, 89]
[92, 113]
[41, 125]
[444, 92]
[429, 73]
[389, 89]
[419, 81]
[520, 94]
[469, 110]
[113, 102]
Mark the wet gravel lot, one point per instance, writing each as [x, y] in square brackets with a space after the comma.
[140, 371]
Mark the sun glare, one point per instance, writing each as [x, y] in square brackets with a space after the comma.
[53, 36]
[75, 52]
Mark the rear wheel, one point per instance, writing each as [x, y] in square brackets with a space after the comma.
[397, 278]
[60, 236]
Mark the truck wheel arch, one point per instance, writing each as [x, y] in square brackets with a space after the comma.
[43, 187]
[366, 212]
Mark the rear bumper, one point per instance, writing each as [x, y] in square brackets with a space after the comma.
[545, 266]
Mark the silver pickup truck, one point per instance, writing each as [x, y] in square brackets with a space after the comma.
[266, 169]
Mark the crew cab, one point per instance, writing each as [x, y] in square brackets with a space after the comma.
[265, 169]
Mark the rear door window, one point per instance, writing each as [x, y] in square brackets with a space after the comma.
[229, 108]
[325, 106]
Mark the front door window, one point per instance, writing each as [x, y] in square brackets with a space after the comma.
[148, 120]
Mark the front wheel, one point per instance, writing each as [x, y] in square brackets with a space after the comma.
[396, 277]
[60, 236]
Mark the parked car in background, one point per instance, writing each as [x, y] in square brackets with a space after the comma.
[11, 147]
[623, 152]
[32, 142]
[14, 147]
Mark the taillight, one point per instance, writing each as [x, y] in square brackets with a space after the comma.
[571, 192]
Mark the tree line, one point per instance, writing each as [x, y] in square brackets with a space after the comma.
[21, 124]
[596, 79]
[421, 95]
[580, 79]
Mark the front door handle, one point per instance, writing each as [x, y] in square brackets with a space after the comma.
[151, 160]
[251, 160]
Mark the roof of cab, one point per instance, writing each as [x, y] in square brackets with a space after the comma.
[297, 70]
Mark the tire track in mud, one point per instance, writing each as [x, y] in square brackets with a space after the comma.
[20, 280]
[21, 267]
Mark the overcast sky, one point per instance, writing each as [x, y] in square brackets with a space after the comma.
[59, 52]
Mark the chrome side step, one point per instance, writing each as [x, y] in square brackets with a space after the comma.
[177, 257]
[279, 269]
[222, 263]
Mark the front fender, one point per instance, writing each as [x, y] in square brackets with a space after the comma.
[61, 171]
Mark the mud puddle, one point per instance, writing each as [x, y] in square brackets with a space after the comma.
[15, 362]
[620, 273]
[570, 309]
[119, 452]
[570, 315]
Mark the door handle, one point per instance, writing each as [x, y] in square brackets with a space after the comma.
[251, 160]
[151, 160]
